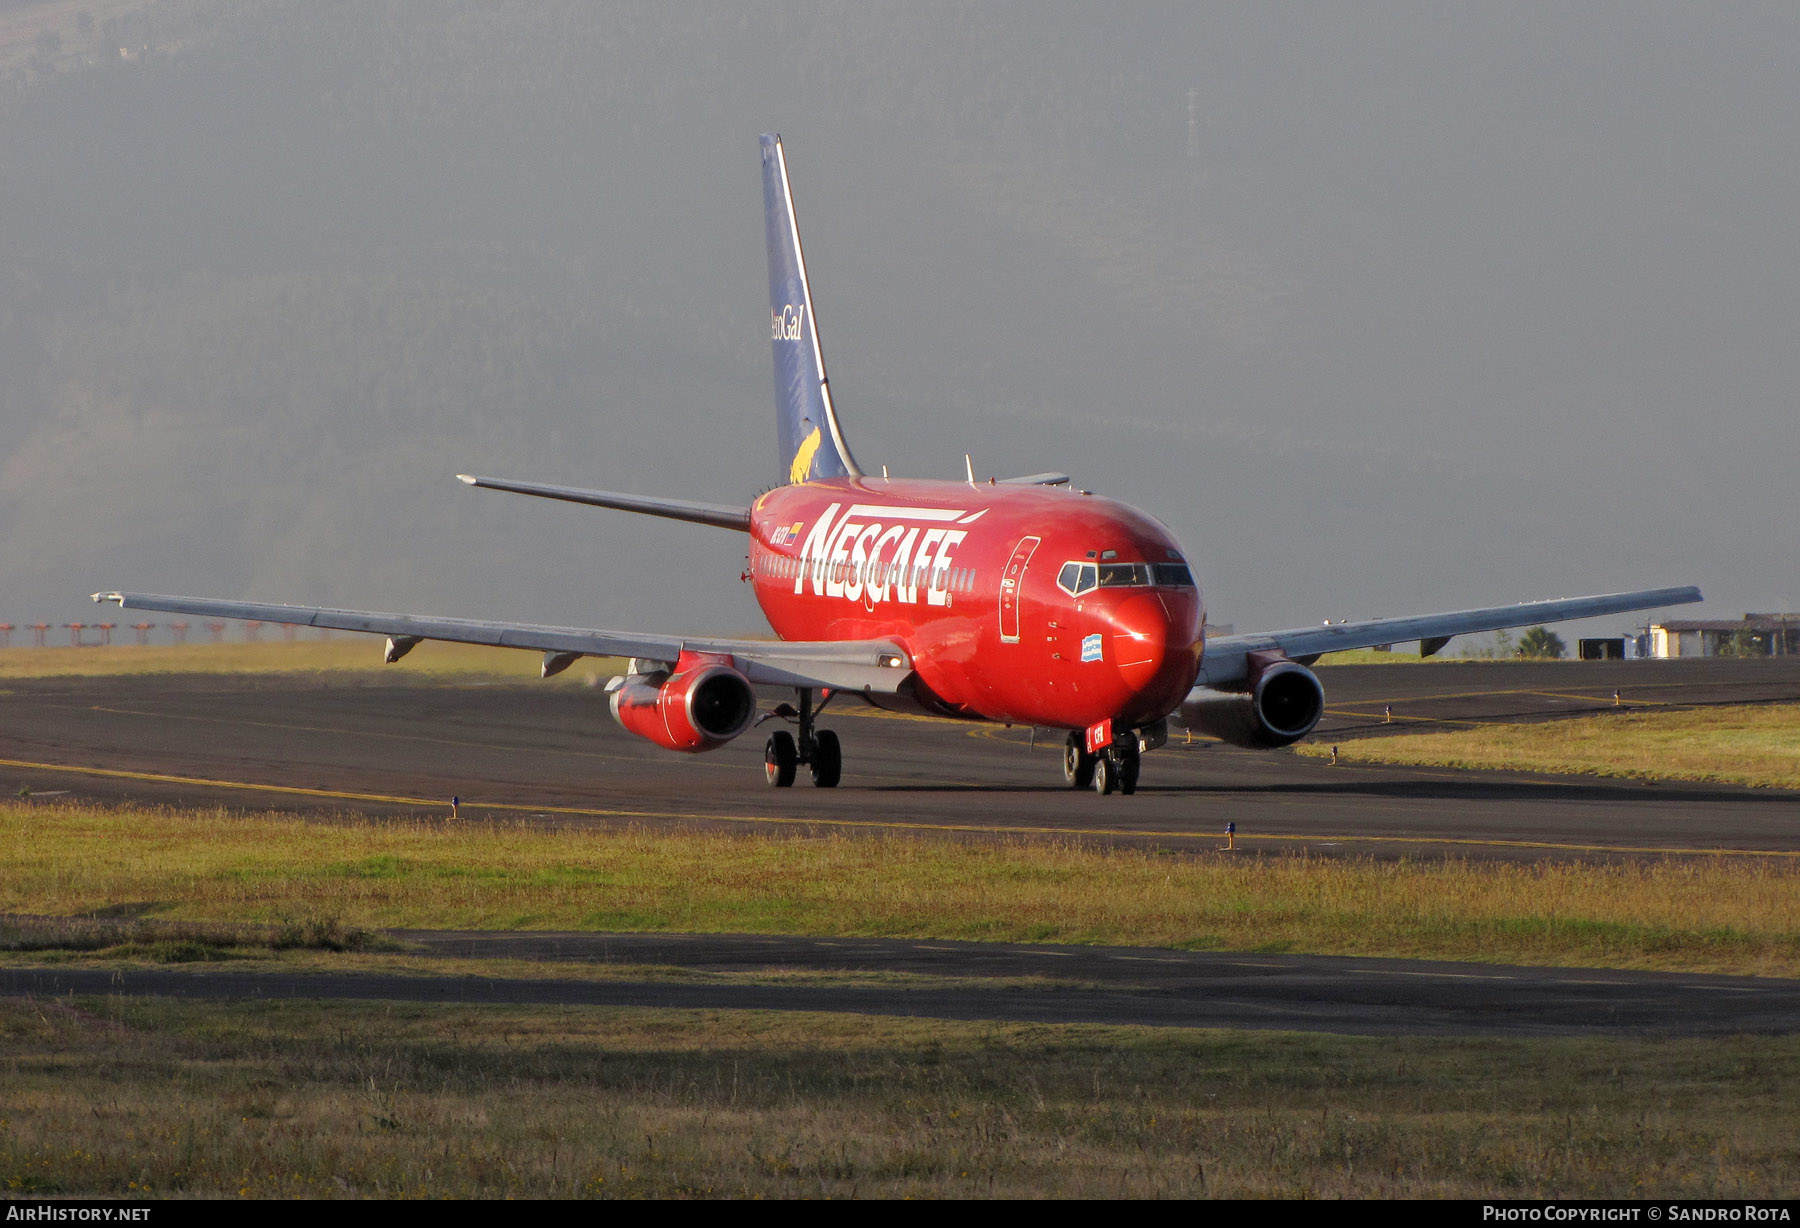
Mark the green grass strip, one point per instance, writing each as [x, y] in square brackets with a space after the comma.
[1754, 744]
[1739, 914]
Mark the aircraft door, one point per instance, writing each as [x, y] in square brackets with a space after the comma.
[1010, 581]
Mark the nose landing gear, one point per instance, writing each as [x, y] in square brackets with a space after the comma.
[1116, 767]
[818, 749]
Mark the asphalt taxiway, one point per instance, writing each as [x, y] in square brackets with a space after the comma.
[1099, 985]
[406, 745]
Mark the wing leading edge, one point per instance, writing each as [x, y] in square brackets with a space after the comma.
[874, 666]
[1226, 662]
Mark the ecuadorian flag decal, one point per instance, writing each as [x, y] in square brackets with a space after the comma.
[1090, 647]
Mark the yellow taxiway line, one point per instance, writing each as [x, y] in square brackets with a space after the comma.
[983, 829]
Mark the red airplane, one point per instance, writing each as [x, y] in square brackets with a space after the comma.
[1018, 600]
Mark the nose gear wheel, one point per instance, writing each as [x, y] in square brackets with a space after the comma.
[1078, 765]
[1115, 768]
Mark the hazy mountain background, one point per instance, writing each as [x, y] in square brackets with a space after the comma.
[1382, 308]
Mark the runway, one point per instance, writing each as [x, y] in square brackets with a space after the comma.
[1096, 985]
[404, 746]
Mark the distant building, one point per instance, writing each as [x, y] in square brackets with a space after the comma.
[1753, 635]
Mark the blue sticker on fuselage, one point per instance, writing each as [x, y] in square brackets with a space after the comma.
[1090, 647]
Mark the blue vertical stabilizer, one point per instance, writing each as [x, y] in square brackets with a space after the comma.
[812, 445]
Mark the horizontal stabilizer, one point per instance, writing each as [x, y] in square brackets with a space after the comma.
[674, 509]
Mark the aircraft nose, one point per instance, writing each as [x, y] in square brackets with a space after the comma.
[1140, 639]
[1155, 648]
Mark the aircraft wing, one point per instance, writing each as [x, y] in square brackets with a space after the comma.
[1226, 663]
[876, 666]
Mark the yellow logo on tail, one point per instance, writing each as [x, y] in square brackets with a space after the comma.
[803, 459]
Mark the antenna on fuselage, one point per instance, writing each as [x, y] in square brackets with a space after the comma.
[969, 464]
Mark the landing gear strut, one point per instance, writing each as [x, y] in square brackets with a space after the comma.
[818, 749]
[1116, 767]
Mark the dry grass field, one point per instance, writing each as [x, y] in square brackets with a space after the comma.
[1751, 744]
[1724, 914]
[112, 1097]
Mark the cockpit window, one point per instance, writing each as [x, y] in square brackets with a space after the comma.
[1076, 578]
[1124, 575]
[1138, 575]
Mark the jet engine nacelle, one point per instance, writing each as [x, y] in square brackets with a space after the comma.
[703, 705]
[1283, 704]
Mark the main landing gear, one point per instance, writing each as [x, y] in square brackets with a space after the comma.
[1116, 767]
[817, 749]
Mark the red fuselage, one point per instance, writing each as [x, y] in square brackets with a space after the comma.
[1028, 604]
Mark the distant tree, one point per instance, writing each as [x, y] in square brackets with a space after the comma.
[1501, 650]
[1541, 642]
[1745, 643]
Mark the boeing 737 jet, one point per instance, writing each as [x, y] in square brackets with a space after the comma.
[1021, 600]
